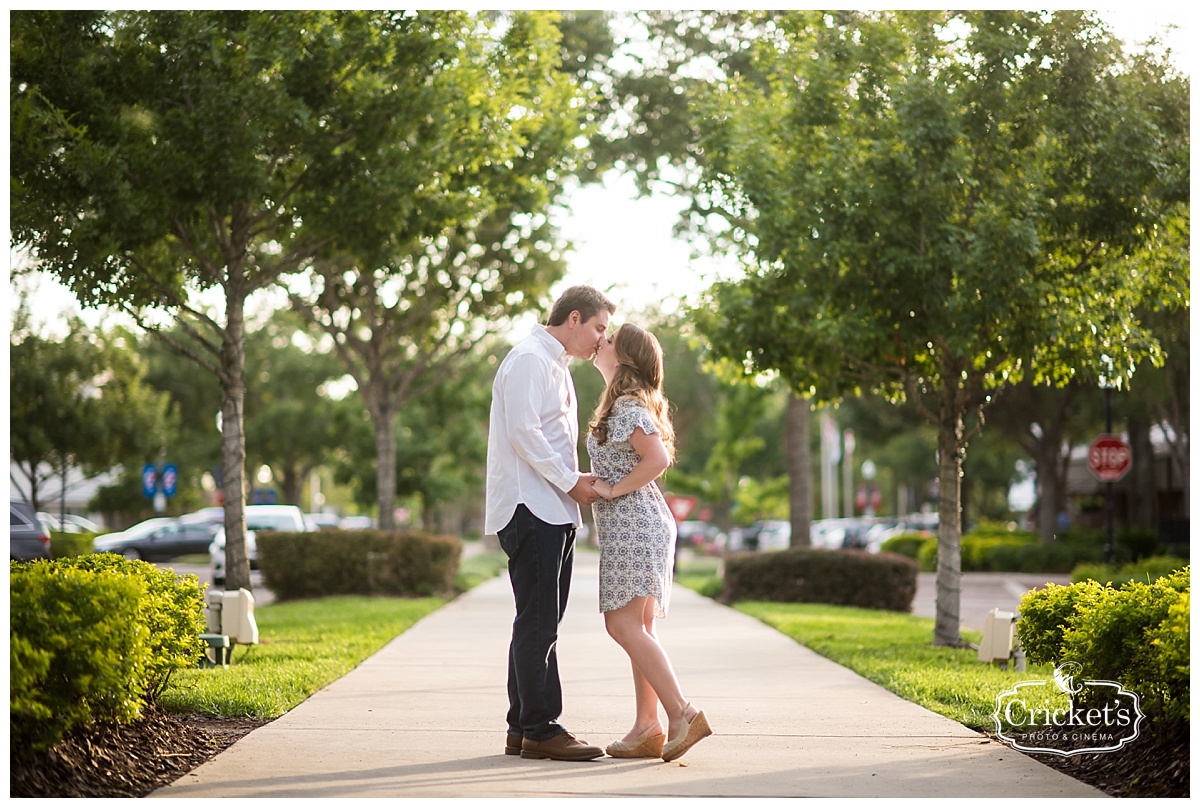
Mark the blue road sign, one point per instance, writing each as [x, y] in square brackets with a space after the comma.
[149, 479]
[170, 477]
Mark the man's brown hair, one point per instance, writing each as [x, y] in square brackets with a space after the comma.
[583, 299]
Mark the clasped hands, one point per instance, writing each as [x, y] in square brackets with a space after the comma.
[590, 488]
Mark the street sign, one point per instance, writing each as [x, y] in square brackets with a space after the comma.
[170, 477]
[1109, 458]
[681, 507]
[149, 479]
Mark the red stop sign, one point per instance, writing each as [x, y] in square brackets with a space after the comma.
[1108, 458]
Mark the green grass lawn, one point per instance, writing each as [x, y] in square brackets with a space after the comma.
[304, 645]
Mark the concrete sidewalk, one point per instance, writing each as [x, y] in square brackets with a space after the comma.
[424, 717]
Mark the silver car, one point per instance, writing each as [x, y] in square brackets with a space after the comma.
[27, 538]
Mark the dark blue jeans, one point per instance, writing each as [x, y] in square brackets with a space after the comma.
[540, 557]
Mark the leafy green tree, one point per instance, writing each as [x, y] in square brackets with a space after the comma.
[1161, 395]
[292, 424]
[196, 449]
[441, 445]
[896, 439]
[1046, 422]
[81, 403]
[938, 205]
[401, 320]
[160, 154]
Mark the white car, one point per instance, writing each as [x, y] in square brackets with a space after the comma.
[106, 541]
[287, 518]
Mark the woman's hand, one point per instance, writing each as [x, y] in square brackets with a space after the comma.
[603, 489]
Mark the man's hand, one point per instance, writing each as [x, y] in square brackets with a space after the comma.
[583, 493]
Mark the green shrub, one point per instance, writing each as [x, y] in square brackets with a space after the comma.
[1146, 570]
[368, 562]
[992, 547]
[995, 548]
[927, 556]
[1136, 542]
[807, 575]
[77, 651]
[172, 608]
[1045, 615]
[1135, 635]
[64, 545]
[1172, 642]
[907, 544]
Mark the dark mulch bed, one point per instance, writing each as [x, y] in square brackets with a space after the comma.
[125, 760]
[114, 760]
[1156, 764]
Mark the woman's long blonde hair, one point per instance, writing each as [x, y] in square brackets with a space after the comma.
[639, 375]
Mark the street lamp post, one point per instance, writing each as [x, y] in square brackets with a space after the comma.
[1107, 385]
[1110, 544]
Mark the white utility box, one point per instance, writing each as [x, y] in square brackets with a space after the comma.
[999, 629]
[232, 614]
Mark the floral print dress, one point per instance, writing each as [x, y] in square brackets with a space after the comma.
[636, 532]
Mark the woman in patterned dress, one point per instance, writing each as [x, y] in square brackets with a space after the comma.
[631, 443]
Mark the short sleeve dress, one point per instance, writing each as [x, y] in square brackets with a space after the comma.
[636, 532]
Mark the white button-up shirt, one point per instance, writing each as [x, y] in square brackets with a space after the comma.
[533, 431]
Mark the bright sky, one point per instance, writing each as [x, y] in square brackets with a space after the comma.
[624, 245]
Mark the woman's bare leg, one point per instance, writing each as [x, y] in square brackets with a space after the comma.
[632, 626]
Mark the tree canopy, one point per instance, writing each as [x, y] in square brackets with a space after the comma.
[160, 154]
[937, 205]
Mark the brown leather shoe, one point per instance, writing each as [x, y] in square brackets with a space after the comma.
[512, 744]
[563, 746]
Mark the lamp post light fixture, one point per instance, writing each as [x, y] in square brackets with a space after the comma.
[1107, 384]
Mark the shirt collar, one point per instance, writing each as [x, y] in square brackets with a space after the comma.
[553, 348]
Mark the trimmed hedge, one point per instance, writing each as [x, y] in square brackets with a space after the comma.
[366, 562]
[992, 548]
[64, 545]
[1146, 570]
[810, 575]
[94, 638]
[907, 544]
[1136, 634]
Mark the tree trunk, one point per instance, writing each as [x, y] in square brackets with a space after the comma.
[233, 440]
[292, 484]
[1143, 504]
[799, 465]
[1048, 490]
[383, 418]
[949, 552]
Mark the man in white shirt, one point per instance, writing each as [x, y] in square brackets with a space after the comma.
[534, 490]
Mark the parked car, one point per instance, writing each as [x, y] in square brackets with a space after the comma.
[160, 539]
[48, 523]
[288, 518]
[69, 523]
[213, 515]
[357, 523]
[321, 521]
[27, 538]
[771, 534]
[84, 524]
[700, 537]
[837, 534]
[918, 525]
